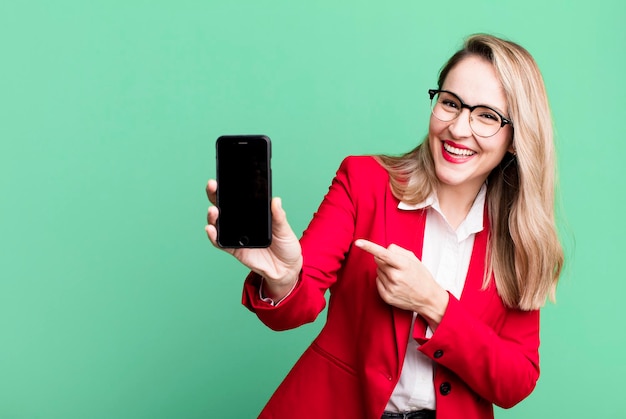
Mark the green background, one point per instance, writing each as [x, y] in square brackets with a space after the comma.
[113, 304]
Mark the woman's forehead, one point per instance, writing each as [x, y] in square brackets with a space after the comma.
[475, 81]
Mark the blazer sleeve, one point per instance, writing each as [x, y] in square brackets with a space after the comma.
[325, 244]
[503, 366]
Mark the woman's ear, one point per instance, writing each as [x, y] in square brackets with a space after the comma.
[511, 148]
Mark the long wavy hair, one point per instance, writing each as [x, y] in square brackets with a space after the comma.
[524, 254]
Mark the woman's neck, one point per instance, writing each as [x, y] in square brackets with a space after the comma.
[456, 202]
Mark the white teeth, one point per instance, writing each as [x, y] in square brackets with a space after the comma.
[458, 151]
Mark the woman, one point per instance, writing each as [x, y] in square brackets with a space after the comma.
[437, 262]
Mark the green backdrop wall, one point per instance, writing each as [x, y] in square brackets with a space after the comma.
[113, 304]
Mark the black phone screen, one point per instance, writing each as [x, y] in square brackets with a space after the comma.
[244, 191]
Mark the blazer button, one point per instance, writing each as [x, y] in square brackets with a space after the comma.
[445, 388]
[438, 353]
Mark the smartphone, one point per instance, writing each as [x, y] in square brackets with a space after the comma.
[244, 191]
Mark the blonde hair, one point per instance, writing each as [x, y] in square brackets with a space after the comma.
[524, 254]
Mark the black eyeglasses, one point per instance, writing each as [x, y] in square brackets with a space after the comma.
[484, 121]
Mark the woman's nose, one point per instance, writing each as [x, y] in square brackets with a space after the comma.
[461, 126]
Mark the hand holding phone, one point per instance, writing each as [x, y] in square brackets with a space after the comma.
[281, 262]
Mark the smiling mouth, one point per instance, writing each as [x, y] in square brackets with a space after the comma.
[461, 152]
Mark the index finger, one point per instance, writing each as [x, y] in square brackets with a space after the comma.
[374, 249]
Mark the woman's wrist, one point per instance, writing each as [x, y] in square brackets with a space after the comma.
[278, 284]
[434, 311]
[277, 291]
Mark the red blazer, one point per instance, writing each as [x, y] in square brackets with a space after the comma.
[484, 353]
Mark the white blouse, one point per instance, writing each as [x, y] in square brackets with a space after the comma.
[446, 254]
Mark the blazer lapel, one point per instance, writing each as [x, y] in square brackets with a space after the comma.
[474, 297]
[404, 228]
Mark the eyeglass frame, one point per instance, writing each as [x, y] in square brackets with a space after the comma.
[505, 121]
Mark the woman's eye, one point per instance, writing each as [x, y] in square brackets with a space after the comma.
[450, 103]
[488, 115]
